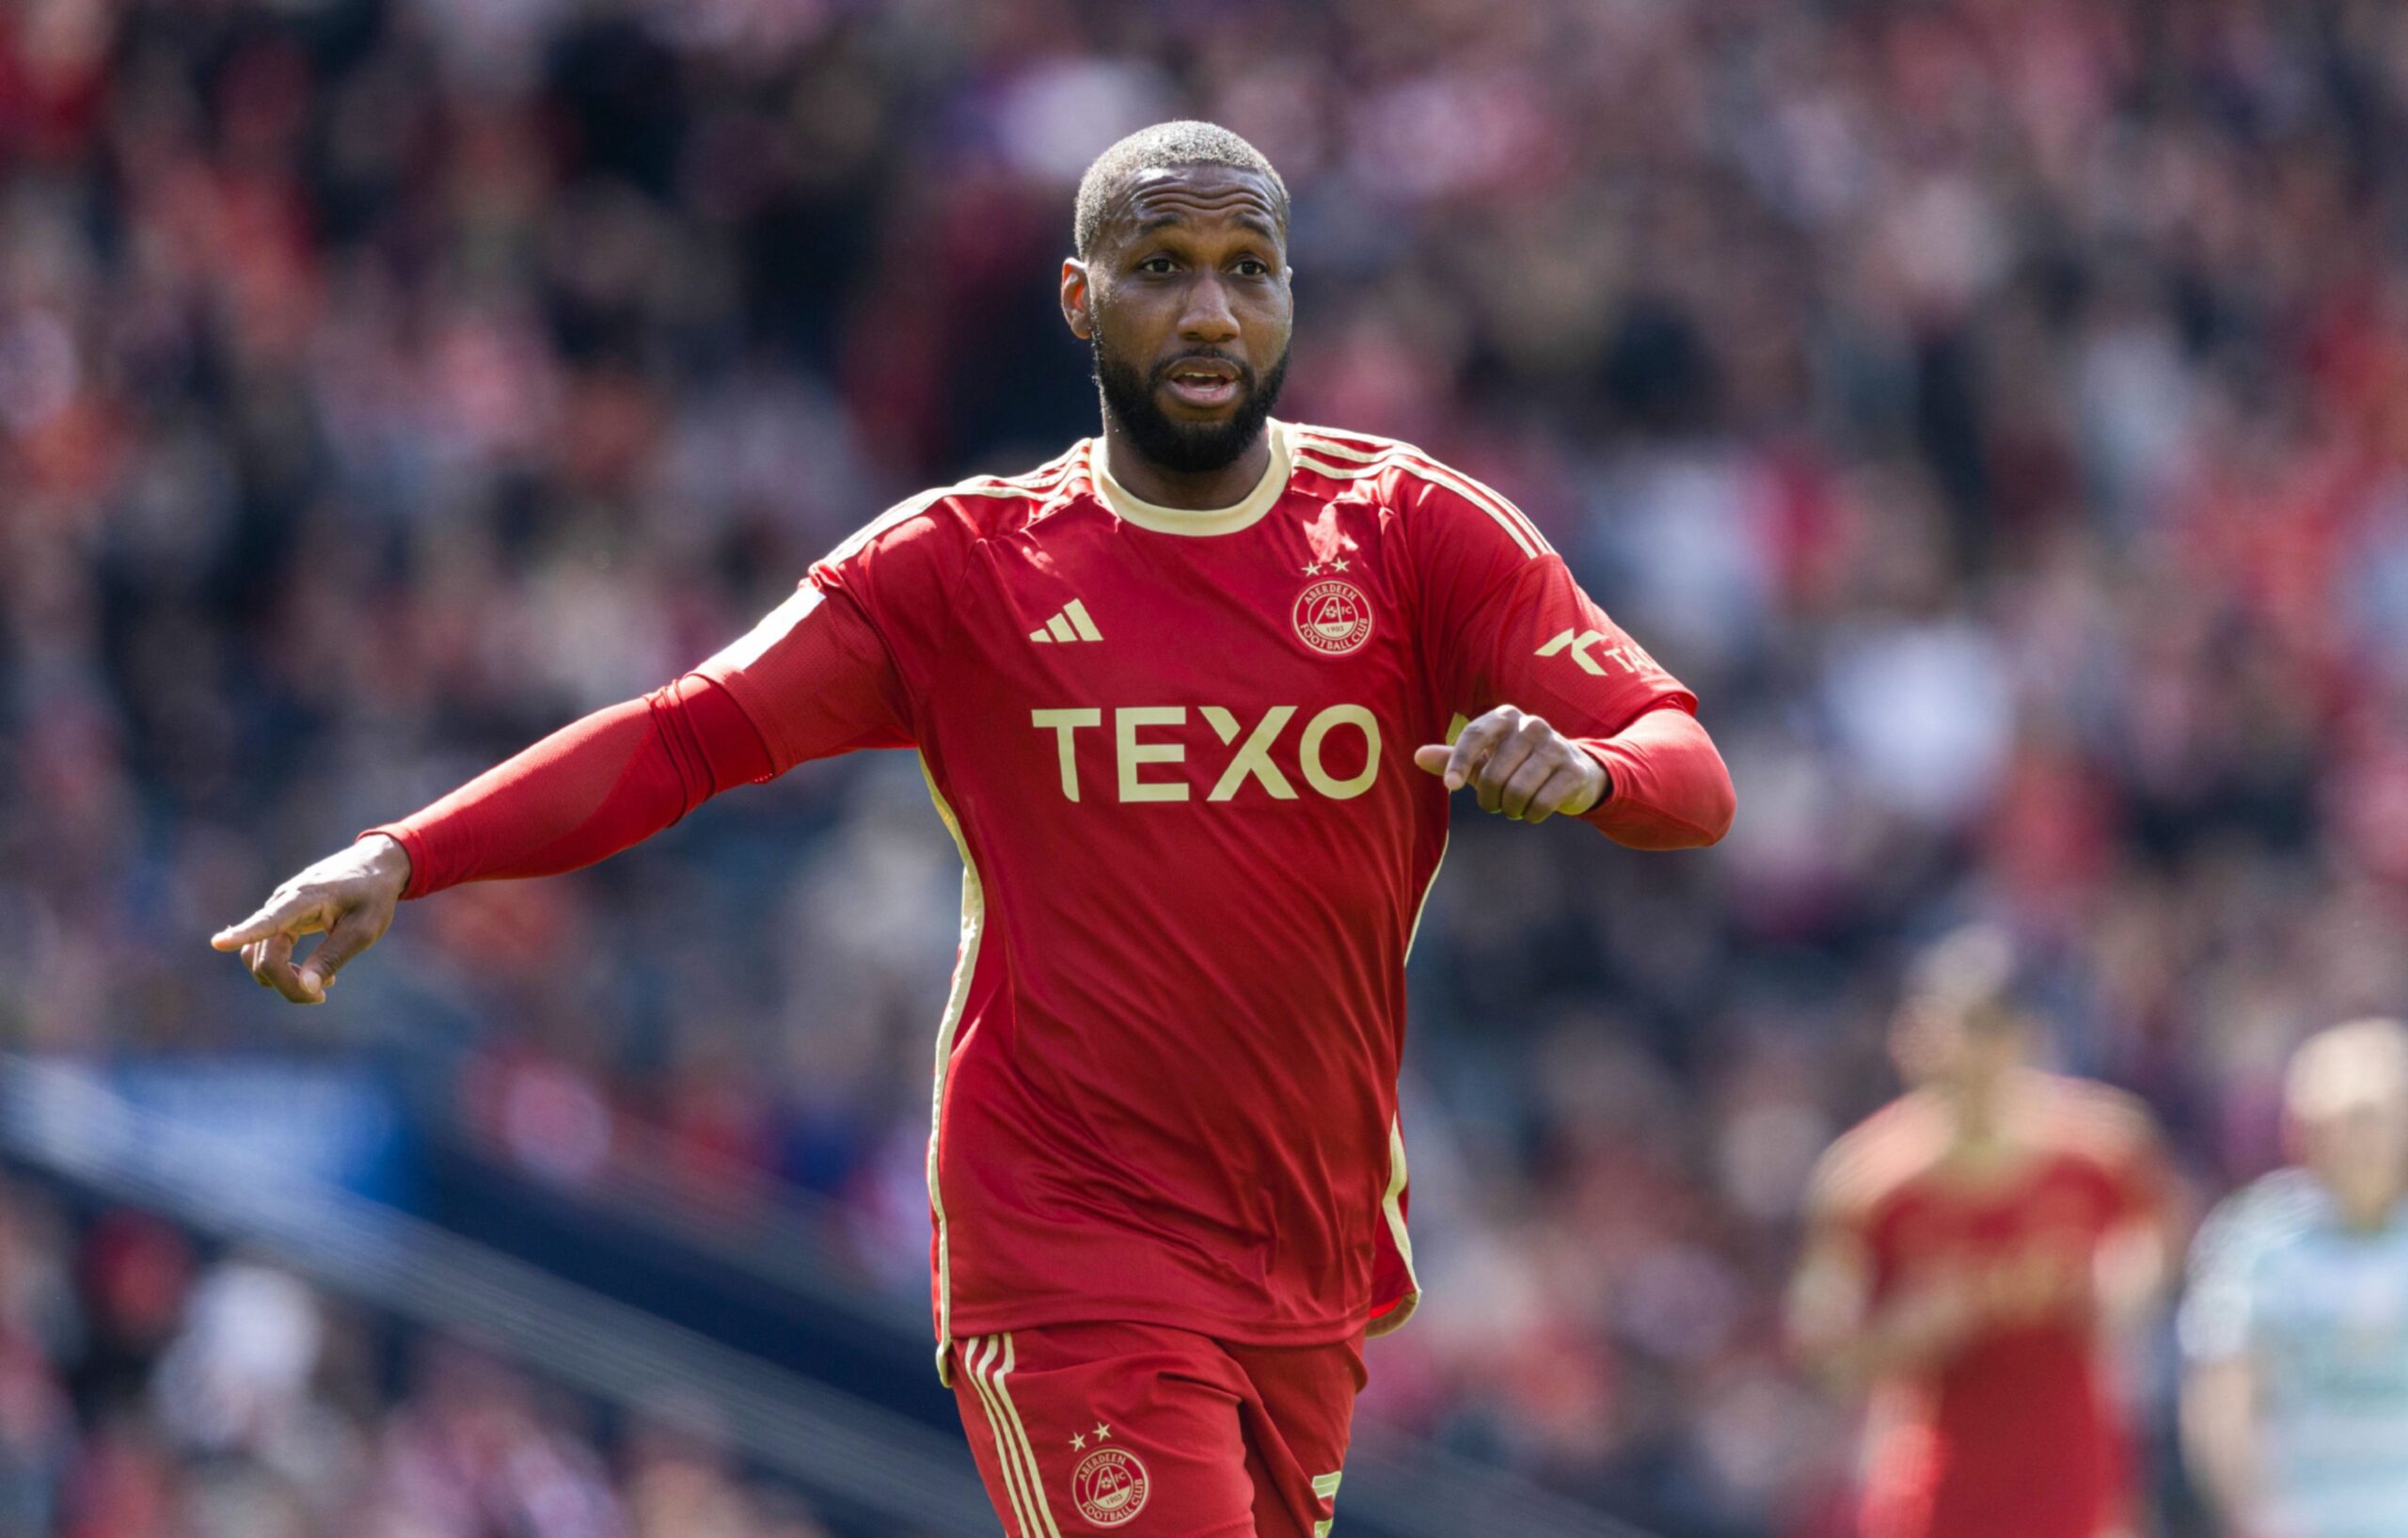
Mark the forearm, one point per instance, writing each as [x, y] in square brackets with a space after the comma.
[2219, 1443]
[1668, 788]
[2133, 1270]
[1836, 1330]
[589, 790]
[1895, 1345]
[1908, 1338]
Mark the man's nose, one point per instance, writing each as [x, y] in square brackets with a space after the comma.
[1208, 317]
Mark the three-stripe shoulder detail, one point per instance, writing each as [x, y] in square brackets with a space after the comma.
[1047, 487]
[1352, 456]
[1037, 485]
[1876, 1157]
[1045, 477]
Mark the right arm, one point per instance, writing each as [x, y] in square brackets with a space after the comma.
[2218, 1332]
[813, 679]
[1852, 1343]
[1838, 1328]
[2220, 1440]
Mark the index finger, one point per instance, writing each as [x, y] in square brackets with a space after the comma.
[278, 915]
[1472, 749]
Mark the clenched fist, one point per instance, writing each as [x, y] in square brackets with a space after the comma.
[1520, 766]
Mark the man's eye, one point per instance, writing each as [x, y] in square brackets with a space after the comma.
[1154, 264]
[1252, 268]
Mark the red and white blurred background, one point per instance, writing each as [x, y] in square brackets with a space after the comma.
[1997, 409]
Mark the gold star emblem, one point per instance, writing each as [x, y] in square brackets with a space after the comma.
[1078, 1444]
[1102, 1432]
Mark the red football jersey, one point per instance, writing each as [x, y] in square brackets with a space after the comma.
[1175, 750]
[2020, 1433]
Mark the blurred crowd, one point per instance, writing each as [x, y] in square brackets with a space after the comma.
[148, 1389]
[1996, 409]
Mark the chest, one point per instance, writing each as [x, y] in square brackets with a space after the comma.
[2061, 1205]
[1107, 665]
[2338, 1309]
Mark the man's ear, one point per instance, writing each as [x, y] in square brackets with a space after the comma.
[1075, 298]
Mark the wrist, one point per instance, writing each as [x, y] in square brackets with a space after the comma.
[388, 859]
[1601, 781]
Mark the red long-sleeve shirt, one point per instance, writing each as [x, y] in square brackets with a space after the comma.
[1175, 750]
[2021, 1431]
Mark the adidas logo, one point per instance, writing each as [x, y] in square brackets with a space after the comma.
[1071, 624]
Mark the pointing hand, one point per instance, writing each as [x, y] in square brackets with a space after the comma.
[350, 895]
[1520, 766]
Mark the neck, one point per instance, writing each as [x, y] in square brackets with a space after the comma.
[2364, 1211]
[1203, 491]
[1979, 1115]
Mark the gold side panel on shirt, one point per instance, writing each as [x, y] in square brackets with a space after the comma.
[973, 927]
[1392, 1201]
[1392, 1204]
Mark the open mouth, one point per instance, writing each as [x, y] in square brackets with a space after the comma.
[1203, 383]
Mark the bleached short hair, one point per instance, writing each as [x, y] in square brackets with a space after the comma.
[2342, 1068]
[1183, 141]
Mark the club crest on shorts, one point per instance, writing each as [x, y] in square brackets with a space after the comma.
[1109, 1486]
[1333, 617]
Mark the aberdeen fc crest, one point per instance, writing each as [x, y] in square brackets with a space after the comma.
[1333, 617]
[1109, 1487]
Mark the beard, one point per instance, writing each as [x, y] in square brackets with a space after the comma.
[1179, 447]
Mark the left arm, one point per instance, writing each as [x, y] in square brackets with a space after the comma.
[2220, 1436]
[1659, 783]
[2220, 1332]
[1567, 713]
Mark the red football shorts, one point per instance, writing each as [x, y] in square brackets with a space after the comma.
[1155, 1432]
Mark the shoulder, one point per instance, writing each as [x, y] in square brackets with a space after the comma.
[940, 526]
[2235, 1258]
[1434, 497]
[2267, 1214]
[1868, 1166]
[2100, 1122]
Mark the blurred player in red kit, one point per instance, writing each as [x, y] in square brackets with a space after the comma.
[1973, 1252]
[1191, 697]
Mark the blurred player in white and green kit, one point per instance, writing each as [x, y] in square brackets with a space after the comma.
[2295, 1407]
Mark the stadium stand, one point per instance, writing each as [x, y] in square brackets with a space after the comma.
[1991, 407]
